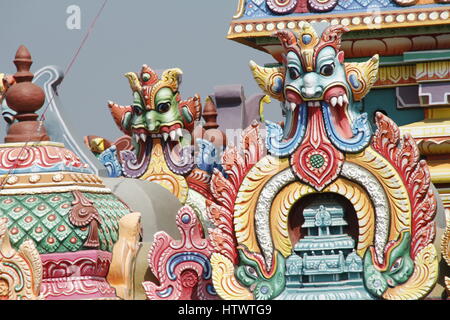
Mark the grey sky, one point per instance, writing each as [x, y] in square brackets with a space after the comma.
[190, 35]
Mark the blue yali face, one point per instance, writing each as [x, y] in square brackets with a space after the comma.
[315, 76]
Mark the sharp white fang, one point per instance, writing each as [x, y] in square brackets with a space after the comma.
[333, 101]
[293, 106]
[173, 135]
[340, 100]
[179, 132]
[345, 98]
[165, 136]
[143, 137]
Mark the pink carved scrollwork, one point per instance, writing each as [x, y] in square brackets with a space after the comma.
[182, 267]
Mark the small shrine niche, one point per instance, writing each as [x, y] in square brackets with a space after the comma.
[323, 254]
[296, 217]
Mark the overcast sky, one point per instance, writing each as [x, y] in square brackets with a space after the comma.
[190, 35]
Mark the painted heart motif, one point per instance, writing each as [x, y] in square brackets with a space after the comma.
[317, 162]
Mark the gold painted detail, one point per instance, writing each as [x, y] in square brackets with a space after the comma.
[2, 87]
[393, 76]
[439, 171]
[445, 246]
[133, 79]
[51, 179]
[20, 271]
[396, 75]
[32, 144]
[121, 272]
[307, 49]
[366, 73]
[364, 211]
[431, 146]
[247, 198]
[437, 113]
[427, 129]
[240, 9]
[279, 214]
[434, 70]
[270, 80]
[170, 78]
[159, 172]
[393, 186]
[292, 193]
[224, 280]
[422, 280]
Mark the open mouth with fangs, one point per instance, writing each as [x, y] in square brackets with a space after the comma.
[142, 138]
[335, 99]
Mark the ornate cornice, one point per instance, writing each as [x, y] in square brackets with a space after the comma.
[410, 17]
[412, 74]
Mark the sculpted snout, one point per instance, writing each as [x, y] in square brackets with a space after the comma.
[310, 87]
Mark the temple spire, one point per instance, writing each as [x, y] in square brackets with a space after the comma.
[25, 98]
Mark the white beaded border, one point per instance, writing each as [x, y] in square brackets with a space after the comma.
[357, 21]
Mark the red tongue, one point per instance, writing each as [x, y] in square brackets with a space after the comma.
[341, 122]
[142, 147]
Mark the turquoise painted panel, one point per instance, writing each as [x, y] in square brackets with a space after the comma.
[385, 100]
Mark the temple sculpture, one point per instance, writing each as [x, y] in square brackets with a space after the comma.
[327, 146]
[58, 221]
[347, 198]
[324, 263]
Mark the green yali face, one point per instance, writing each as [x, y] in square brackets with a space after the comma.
[399, 268]
[163, 120]
[250, 275]
[164, 114]
[400, 265]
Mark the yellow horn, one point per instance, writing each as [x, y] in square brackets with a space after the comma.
[134, 81]
[172, 78]
[270, 80]
[362, 76]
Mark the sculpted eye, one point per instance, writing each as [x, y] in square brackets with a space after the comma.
[293, 73]
[163, 107]
[146, 77]
[137, 110]
[397, 264]
[327, 70]
[251, 271]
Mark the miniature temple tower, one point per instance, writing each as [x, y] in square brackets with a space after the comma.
[324, 258]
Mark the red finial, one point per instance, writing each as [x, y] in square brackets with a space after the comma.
[212, 134]
[25, 98]
[23, 63]
[210, 114]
